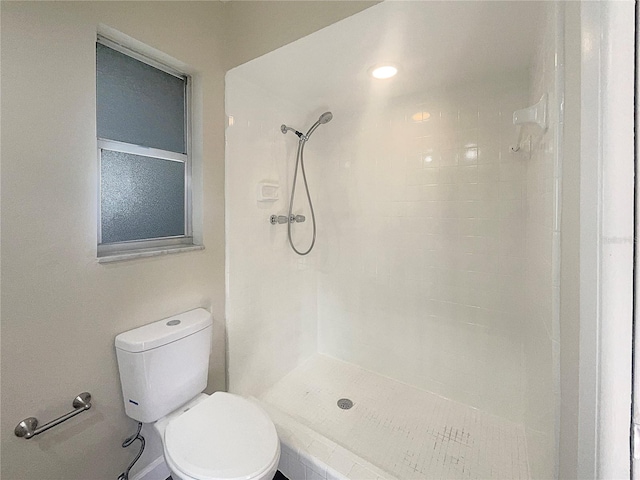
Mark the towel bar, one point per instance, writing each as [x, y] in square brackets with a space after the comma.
[28, 427]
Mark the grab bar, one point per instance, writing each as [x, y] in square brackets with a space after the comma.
[28, 427]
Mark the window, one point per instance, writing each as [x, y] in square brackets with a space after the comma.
[143, 149]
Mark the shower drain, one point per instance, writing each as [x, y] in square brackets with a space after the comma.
[345, 403]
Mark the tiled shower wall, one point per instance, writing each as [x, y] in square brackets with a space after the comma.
[421, 244]
[271, 301]
[419, 267]
[436, 256]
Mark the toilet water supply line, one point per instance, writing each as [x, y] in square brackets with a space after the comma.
[125, 475]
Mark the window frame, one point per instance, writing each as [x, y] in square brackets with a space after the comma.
[104, 250]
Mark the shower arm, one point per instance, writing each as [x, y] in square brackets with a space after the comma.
[301, 136]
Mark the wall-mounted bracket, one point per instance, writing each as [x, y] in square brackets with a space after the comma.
[535, 116]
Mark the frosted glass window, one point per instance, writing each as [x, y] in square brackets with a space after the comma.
[138, 103]
[142, 108]
[141, 197]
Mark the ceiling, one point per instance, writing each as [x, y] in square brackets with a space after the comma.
[434, 44]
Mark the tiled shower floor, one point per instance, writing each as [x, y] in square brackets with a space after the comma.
[407, 432]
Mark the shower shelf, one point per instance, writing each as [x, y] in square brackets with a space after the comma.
[535, 116]
[268, 192]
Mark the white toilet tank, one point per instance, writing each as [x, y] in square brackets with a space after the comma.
[164, 364]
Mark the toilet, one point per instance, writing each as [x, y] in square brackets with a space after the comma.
[163, 371]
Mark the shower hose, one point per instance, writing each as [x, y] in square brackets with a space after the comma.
[300, 161]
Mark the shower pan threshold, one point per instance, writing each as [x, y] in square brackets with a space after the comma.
[393, 430]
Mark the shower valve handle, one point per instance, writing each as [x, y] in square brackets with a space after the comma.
[278, 219]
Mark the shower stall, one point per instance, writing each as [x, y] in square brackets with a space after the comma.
[419, 338]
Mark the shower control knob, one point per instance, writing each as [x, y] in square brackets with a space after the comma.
[296, 218]
[275, 219]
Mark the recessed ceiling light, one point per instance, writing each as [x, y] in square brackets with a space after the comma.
[384, 71]
[420, 116]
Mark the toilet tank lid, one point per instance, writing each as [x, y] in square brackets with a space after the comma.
[165, 331]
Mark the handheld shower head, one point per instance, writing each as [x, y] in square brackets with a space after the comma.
[326, 117]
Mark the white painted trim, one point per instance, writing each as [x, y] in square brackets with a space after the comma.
[156, 470]
[616, 327]
[606, 239]
[115, 146]
[590, 219]
[556, 243]
[124, 49]
[152, 252]
[143, 49]
[635, 460]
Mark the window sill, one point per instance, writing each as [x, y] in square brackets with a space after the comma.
[148, 252]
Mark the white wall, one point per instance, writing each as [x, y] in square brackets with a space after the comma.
[255, 27]
[271, 302]
[421, 241]
[570, 245]
[51, 283]
[61, 309]
[543, 190]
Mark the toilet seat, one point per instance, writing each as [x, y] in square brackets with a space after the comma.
[224, 437]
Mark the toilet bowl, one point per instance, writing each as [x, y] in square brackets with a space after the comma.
[219, 437]
[163, 370]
